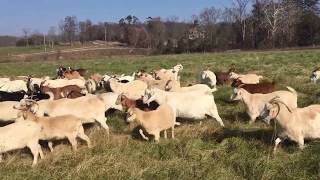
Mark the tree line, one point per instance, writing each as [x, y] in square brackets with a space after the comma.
[257, 24]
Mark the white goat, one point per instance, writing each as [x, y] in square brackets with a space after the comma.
[13, 86]
[134, 89]
[155, 121]
[191, 104]
[127, 77]
[209, 78]
[246, 78]
[315, 75]
[255, 102]
[173, 87]
[64, 82]
[88, 108]
[20, 135]
[59, 127]
[169, 74]
[297, 123]
[7, 113]
[91, 86]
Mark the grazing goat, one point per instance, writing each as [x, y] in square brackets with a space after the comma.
[296, 123]
[209, 78]
[191, 104]
[89, 108]
[263, 87]
[127, 103]
[224, 77]
[12, 96]
[20, 135]
[255, 102]
[70, 91]
[153, 122]
[57, 128]
[125, 78]
[35, 83]
[72, 75]
[64, 82]
[196, 87]
[246, 78]
[91, 86]
[81, 71]
[134, 89]
[60, 70]
[7, 113]
[13, 86]
[315, 75]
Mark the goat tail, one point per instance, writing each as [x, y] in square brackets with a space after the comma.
[292, 90]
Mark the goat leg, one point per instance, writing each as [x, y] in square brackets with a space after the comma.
[276, 143]
[143, 136]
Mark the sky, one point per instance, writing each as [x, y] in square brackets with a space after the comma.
[39, 15]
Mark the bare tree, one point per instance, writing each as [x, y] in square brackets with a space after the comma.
[274, 18]
[70, 27]
[240, 12]
[26, 35]
[52, 36]
[208, 20]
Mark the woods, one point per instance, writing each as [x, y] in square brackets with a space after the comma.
[257, 24]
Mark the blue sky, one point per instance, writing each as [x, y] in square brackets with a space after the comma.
[39, 15]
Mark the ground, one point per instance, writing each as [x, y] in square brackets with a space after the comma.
[200, 150]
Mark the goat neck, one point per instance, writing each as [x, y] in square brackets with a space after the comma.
[284, 117]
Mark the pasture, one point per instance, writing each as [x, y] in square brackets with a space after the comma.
[200, 150]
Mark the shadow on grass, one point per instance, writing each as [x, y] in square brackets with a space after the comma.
[264, 135]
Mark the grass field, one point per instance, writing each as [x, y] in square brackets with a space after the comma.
[200, 151]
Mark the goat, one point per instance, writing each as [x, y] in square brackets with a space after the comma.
[246, 78]
[20, 135]
[209, 78]
[62, 92]
[89, 108]
[13, 86]
[60, 70]
[134, 89]
[191, 104]
[296, 123]
[59, 127]
[255, 102]
[315, 75]
[169, 74]
[223, 77]
[155, 121]
[72, 75]
[81, 71]
[64, 82]
[127, 103]
[263, 87]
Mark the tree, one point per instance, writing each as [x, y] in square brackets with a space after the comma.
[240, 12]
[70, 28]
[274, 18]
[209, 17]
[52, 37]
[25, 35]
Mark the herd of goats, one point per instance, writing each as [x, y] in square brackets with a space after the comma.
[53, 109]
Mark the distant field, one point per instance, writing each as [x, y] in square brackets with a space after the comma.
[200, 151]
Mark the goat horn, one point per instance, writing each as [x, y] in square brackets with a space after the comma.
[273, 99]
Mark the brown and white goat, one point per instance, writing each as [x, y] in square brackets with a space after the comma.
[263, 87]
[70, 91]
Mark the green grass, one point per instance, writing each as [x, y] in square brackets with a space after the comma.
[200, 151]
